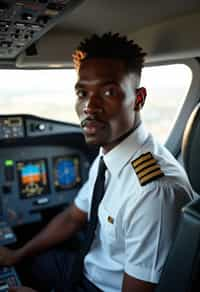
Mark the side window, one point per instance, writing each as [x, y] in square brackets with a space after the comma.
[167, 87]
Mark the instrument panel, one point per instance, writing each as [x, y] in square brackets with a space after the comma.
[23, 22]
[43, 164]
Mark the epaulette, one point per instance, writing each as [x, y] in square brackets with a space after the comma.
[146, 168]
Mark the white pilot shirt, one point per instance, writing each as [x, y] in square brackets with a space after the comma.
[136, 223]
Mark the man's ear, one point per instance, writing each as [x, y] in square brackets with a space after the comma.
[141, 94]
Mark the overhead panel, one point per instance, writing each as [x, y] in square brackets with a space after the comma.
[24, 22]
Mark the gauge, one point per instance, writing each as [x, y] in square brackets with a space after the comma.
[66, 172]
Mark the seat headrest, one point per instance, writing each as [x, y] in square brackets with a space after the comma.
[191, 148]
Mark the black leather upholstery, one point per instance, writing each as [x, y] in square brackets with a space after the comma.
[182, 268]
[191, 149]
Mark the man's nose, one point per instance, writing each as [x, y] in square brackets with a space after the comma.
[93, 105]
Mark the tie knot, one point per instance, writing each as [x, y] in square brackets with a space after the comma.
[102, 166]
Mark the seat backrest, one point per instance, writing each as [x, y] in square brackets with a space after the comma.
[181, 271]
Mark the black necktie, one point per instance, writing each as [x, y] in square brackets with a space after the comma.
[96, 199]
[98, 193]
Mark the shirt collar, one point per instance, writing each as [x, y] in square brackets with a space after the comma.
[120, 155]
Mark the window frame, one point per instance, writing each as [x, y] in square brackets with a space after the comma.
[174, 138]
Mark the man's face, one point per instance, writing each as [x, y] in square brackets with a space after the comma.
[105, 101]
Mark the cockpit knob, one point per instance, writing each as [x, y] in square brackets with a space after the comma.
[41, 127]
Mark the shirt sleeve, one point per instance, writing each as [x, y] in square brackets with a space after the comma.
[81, 200]
[150, 229]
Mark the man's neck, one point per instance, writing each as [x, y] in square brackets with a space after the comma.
[110, 146]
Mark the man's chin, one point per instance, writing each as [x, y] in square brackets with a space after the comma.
[93, 140]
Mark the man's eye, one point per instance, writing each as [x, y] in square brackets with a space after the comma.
[81, 93]
[109, 92]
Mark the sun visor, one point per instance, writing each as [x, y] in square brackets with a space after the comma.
[170, 40]
[54, 50]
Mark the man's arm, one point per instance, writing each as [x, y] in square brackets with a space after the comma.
[131, 284]
[61, 228]
[20, 289]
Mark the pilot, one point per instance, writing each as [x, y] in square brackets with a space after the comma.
[134, 220]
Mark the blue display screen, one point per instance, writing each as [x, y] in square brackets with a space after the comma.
[66, 172]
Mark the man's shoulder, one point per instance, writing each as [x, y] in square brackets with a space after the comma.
[147, 168]
[159, 172]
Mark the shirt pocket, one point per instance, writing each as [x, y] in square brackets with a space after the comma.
[107, 225]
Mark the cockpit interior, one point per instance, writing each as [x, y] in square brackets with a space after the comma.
[43, 161]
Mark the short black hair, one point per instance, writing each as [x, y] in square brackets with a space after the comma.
[113, 46]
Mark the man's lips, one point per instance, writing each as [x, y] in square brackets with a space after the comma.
[91, 126]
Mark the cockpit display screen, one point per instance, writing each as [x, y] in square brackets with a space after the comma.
[32, 177]
[66, 172]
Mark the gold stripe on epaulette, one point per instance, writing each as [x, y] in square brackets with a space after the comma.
[141, 159]
[151, 177]
[146, 168]
[140, 167]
